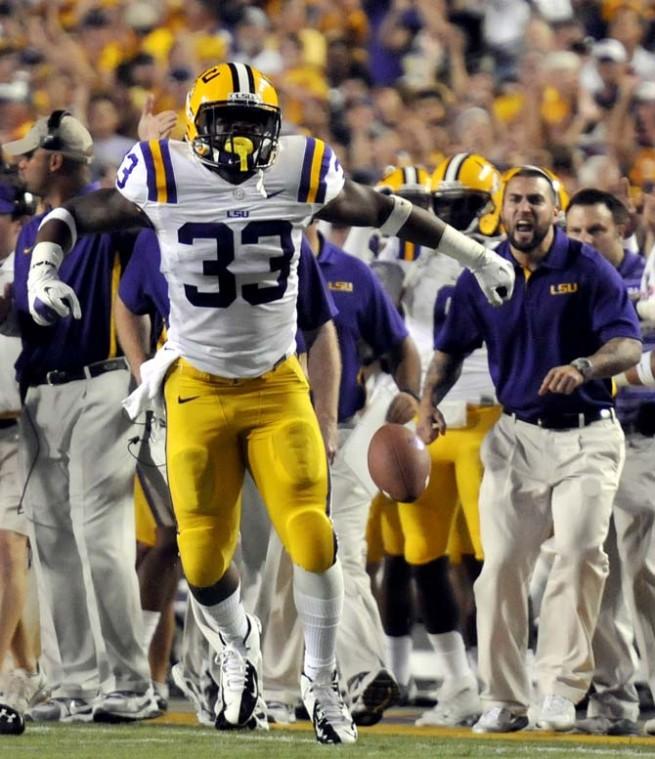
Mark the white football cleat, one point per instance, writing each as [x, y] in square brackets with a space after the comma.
[327, 710]
[240, 675]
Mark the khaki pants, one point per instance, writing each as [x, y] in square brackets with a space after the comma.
[538, 483]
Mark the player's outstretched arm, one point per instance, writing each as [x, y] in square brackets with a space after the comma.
[102, 211]
[359, 205]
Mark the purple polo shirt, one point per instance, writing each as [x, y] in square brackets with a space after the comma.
[366, 313]
[92, 269]
[571, 305]
[144, 289]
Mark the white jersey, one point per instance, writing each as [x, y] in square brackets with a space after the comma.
[230, 252]
[10, 348]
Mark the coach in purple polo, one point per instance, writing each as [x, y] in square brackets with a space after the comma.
[553, 460]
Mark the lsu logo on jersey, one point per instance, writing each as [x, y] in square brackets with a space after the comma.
[564, 288]
[237, 213]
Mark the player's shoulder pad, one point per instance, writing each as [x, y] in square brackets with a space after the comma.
[309, 168]
[146, 174]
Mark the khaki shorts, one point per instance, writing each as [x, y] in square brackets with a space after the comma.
[12, 516]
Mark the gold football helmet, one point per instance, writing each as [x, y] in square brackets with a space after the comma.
[410, 182]
[466, 193]
[233, 120]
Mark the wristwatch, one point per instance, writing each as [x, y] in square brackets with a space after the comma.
[584, 366]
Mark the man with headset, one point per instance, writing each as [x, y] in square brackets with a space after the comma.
[73, 444]
[553, 382]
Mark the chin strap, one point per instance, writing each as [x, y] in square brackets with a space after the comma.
[260, 183]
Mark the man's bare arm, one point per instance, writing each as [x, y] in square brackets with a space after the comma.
[443, 372]
[133, 333]
[324, 370]
[616, 355]
[406, 371]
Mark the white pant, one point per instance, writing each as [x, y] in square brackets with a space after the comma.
[360, 638]
[79, 501]
[634, 517]
[539, 482]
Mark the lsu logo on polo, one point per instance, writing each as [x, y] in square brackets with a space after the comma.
[564, 288]
[340, 287]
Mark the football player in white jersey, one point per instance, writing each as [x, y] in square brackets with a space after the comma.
[229, 205]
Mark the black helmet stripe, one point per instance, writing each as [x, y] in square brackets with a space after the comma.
[242, 78]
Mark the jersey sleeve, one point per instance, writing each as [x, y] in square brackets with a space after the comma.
[320, 177]
[132, 176]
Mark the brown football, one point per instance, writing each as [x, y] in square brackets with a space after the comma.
[398, 462]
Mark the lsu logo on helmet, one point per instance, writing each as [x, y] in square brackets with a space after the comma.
[466, 193]
[410, 182]
[233, 120]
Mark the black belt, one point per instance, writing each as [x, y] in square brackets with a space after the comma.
[61, 377]
[5, 424]
[565, 421]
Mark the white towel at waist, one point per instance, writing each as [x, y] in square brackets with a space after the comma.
[149, 395]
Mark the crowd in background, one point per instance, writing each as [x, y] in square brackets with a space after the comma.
[569, 84]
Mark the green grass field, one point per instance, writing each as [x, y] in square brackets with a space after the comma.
[178, 741]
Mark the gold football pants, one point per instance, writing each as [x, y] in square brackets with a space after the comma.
[215, 428]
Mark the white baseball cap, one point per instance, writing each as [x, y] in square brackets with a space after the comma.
[59, 132]
[609, 49]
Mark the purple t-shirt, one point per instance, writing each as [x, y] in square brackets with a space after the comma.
[571, 305]
[365, 313]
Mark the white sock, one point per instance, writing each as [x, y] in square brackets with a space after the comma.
[319, 603]
[451, 654]
[399, 650]
[227, 617]
[150, 622]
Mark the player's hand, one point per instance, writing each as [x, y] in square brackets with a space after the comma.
[495, 276]
[431, 424]
[49, 298]
[562, 379]
[402, 409]
[155, 126]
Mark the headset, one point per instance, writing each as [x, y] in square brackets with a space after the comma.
[52, 140]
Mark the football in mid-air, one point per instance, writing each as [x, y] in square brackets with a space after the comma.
[398, 462]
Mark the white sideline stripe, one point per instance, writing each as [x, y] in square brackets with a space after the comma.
[209, 732]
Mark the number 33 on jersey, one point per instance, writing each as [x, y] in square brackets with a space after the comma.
[230, 251]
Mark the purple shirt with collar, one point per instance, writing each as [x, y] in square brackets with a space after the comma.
[92, 269]
[571, 305]
[365, 313]
[144, 289]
